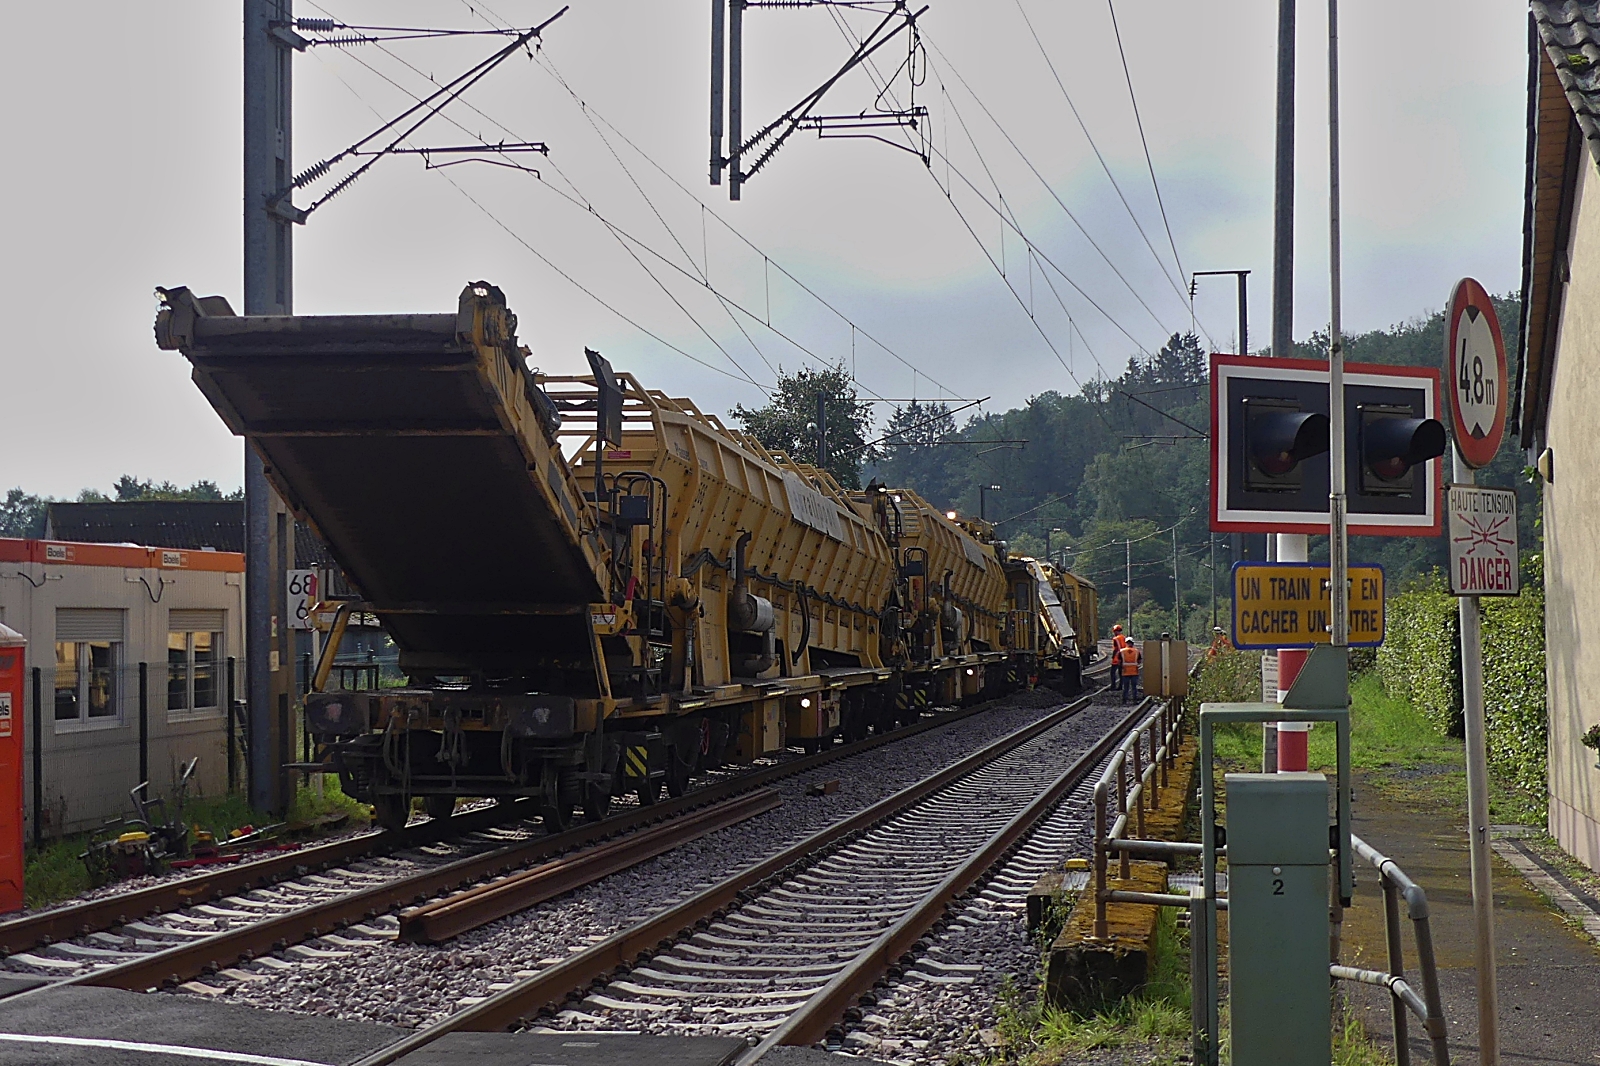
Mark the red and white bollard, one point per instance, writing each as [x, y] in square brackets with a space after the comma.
[1293, 737]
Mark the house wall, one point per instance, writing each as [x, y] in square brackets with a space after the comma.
[1572, 547]
[89, 767]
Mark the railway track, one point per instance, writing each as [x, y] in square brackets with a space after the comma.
[782, 949]
[345, 892]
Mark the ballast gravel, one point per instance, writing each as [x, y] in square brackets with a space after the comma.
[412, 985]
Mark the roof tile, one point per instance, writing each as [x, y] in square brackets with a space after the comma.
[1570, 30]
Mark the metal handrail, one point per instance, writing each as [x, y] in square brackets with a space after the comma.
[1152, 749]
[1429, 1007]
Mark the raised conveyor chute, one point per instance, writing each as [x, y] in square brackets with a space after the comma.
[425, 454]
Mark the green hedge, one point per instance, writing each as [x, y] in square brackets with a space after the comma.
[1513, 684]
[1420, 661]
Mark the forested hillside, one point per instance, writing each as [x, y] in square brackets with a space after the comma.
[1127, 460]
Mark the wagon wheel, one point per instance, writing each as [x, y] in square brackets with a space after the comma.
[391, 810]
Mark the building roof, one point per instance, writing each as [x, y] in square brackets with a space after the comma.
[217, 524]
[1563, 118]
[188, 524]
[1569, 32]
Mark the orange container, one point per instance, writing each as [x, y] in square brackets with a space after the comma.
[13, 655]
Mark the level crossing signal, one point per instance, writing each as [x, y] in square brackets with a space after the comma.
[1392, 444]
[1279, 438]
[1270, 430]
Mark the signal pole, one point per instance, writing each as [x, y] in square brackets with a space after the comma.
[1290, 547]
[1283, 191]
[268, 290]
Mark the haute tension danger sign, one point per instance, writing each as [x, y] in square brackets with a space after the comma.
[1483, 542]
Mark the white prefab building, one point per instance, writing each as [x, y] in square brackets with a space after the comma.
[120, 635]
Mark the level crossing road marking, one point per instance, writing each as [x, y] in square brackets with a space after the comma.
[176, 1050]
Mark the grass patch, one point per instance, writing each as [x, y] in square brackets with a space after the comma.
[1385, 734]
[1155, 1020]
[1352, 1046]
[56, 871]
[1400, 752]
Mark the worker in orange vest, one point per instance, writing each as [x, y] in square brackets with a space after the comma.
[1127, 659]
[1117, 639]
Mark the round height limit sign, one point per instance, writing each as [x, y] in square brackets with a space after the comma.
[1476, 362]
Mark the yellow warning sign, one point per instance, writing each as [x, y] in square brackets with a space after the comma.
[1286, 605]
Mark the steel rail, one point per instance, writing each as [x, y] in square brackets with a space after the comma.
[812, 1022]
[552, 985]
[92, 916]
[186, 961]
[442, 919]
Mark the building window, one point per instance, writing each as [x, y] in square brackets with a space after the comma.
[192, 658]
[86, 680]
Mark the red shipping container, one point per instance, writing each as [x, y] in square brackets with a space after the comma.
[12, 662]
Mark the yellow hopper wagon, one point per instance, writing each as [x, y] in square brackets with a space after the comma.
[948, 611]
[596, 589]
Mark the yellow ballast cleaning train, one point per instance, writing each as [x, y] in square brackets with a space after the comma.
[596, 588]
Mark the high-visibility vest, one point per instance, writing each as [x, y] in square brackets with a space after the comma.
[1118, 642]
[1128, 656]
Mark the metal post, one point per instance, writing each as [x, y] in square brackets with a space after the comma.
[1338, 500]
[268, 290]
[1338, 536]
[1244, 305]
[1177, 607]
[1200, 969]
[1165, 750]
[1422, 932]
[284, 752]
[1101, 826]
[305, 734]
[38, 759]
[1138, 803]
[144, 722]
[233, 769]
[1212, 545]
[1244, 314]
[735, 94]
[1397, 967]
[1478, 815]
[822, 432]
[1283, 191]
[1127, 585]
[719, 9]
[1122, 810]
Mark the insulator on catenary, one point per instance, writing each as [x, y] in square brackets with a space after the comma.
[346, 40]
[339, 188]
[312, 173]
[316, 25]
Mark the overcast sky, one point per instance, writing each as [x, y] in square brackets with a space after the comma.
[125, 139]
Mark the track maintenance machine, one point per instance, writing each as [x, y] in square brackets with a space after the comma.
[596, 589]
